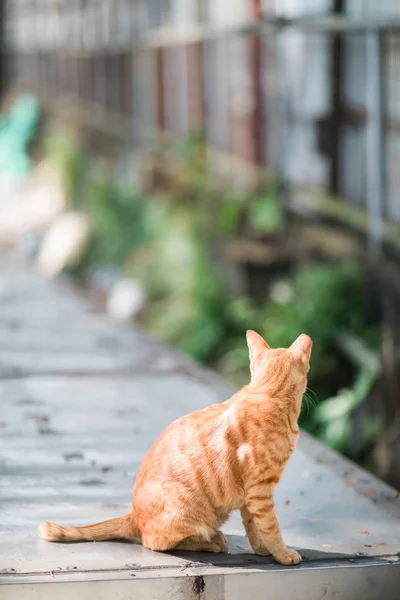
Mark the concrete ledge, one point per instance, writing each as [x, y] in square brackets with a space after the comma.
[82, 399]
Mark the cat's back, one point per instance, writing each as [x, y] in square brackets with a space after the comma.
[183, 441]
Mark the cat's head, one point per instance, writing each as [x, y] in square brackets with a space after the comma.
[282, 369]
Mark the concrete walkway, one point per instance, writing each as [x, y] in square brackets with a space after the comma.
[81, 401]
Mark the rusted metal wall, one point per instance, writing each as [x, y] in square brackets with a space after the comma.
[273, 82]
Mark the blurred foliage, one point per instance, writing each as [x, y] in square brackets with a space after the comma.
[230, 213]
[168, 241]
[319, 300]
[116, 214]
[266, 215]
[333, 417]
[116, 218]
[186, 294]
[62, 149]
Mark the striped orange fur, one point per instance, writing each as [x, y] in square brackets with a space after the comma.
[204, 465]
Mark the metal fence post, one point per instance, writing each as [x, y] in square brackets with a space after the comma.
[281, 116]
[2, 44]
[375, 178]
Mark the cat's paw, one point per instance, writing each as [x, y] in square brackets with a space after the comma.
[290, 557]
[219, 541]
[214, 548]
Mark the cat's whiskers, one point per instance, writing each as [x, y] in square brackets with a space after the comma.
[313, 396]
[308, 402]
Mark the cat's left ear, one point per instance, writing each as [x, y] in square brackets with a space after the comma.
[256, 345]
[302, 347]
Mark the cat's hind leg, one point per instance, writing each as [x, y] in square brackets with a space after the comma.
[216, 544]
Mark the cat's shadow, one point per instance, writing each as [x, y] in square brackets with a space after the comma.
[240, 555]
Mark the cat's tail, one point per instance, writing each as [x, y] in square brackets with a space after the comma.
[120, 527]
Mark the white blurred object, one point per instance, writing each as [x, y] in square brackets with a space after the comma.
[281, 292]
[64, 243]
[126, 299]
[32, 206]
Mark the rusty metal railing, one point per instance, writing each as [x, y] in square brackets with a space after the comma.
[313, 98]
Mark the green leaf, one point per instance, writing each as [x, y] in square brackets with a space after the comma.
[265, 214]
[230, 213]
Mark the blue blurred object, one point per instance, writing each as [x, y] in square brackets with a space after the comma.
[16, 130]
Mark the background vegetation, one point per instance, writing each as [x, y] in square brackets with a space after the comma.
[169, 237]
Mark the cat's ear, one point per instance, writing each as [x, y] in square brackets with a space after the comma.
[302, 347]
[256, 345]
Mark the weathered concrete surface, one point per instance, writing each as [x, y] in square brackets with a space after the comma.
[82, 399]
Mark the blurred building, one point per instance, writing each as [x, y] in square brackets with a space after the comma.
[306, 92]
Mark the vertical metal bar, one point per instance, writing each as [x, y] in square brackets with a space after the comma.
[257, 115]
[335, 133]
[2, 35]
[374, 139]
[100, 61]
[281, 116]
[196, 103]
[160, 92]
[184, 79]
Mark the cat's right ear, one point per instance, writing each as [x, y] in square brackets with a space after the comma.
[256, 345]
[302, 347]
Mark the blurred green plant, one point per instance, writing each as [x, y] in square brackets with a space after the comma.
[333, 416]
[117, 218]
[231, 210]
[186, 294]
[116, 214]
[320, 300]
[167, 241]
[266, 214]
[62, 149]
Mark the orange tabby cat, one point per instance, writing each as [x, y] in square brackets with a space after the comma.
[204, 465]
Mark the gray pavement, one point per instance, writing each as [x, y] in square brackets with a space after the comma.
[82, 399]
